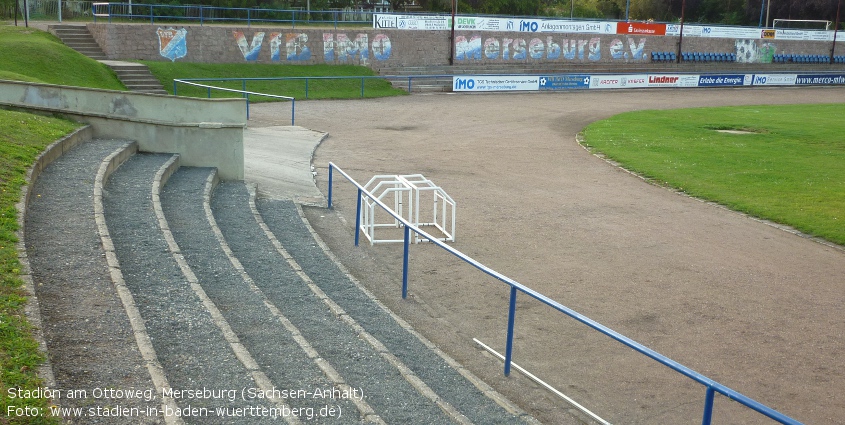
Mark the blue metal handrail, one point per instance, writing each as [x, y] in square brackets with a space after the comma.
[244, 92]
[712, 387]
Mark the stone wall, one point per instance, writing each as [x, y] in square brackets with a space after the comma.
[379, 48]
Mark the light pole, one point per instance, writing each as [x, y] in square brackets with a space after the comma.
[452, 36]
[762, 7]
[627, 9]
[681, 35]
[835, 30]
[571, 9]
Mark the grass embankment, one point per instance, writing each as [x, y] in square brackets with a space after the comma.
[22, 137]
[166, 72]
[39, 57]
[790, 170]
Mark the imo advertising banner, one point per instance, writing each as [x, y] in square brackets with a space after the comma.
[473, 83]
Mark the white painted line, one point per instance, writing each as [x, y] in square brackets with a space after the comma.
[530, 376]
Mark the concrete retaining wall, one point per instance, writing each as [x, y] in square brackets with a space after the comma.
[395, 48]
[205, 132]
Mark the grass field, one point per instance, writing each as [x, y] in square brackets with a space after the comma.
[22, 137]
[39, 57]
[166, 72]
[790, 169]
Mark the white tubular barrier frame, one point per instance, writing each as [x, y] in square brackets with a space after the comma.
[382, 185]
[418, 183]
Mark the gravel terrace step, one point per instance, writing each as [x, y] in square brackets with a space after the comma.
[191, 347]
[273, 346]
[89, 337]
[389, 392]
[284, 220]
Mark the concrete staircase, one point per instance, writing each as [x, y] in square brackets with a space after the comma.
[78, 38]
[136, 77]
[154, 276]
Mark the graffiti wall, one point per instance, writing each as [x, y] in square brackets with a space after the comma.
[382, 48]
[551, 49]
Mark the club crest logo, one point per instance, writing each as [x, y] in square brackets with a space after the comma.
[171, 43]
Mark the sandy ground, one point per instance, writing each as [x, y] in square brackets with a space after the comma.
[754, 307]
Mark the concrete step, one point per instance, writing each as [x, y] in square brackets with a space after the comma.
[361, 360]
[78, 37]
[193, 347]
[278, 350]
[464, 393]
[89, 335]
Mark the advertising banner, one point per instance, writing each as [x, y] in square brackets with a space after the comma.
[565, 82]
[639, 28]
[473, 23]
[820, 79]
[618, 81]
[681, 80]
[689, 30]
[725, 80]
[774, 79]
[730, 32]
[480, 83]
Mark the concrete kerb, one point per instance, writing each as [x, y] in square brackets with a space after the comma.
[486, 389]
[142, 338]
[328, 370]
[240, 351]
[32, 310]
[579, 139]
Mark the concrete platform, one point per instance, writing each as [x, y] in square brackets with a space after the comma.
[278, 160]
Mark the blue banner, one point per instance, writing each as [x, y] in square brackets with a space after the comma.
[820, 79]
[724, 80]
[565, 82]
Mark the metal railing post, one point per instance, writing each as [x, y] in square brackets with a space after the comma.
[409, 84]
[358, 219]
[200, 15]
[306, 87]
[174, 88]
[405, 263]
[331, 176]
[708, 406]
[151, 14]
[362, 87]
[292, 111]
[511, 320]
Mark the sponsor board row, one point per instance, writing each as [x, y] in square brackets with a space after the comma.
[473, 23]
[486, 83]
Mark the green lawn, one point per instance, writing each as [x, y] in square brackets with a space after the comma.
[790, 170]
[36, 56]
[166, 72]
[22, 137]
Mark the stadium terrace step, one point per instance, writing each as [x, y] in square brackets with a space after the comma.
[88, 333]
[395, 396]
[193, 346]
[463, 392]
[276, 345]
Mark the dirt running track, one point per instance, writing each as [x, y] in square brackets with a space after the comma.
[749, 305]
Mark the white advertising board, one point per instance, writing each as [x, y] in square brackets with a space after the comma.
[481, 83]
